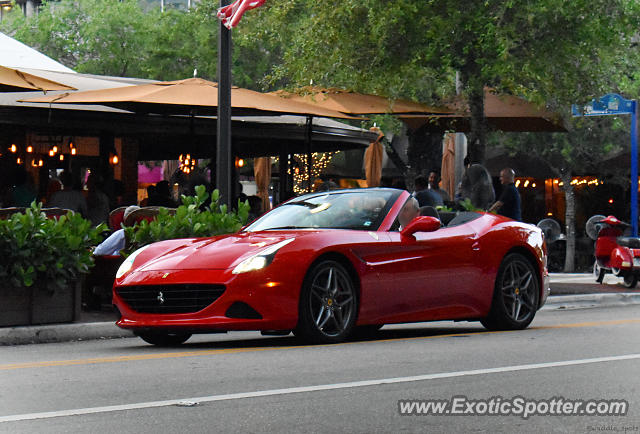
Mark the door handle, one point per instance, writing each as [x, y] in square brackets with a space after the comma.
[475, 246]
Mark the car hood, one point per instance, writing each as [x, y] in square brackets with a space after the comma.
[217, 253]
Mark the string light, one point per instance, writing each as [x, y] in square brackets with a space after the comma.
[29, 149]
[301, 177]
[14, 149]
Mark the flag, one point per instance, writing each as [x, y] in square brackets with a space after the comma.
[231, 14]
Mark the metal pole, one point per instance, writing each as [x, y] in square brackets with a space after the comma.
[634, 169]
[283, 164]
[307, 140]
[223, 154]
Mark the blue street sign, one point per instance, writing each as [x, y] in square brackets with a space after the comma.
[613, 104]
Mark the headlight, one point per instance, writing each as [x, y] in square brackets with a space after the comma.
[260, 260]
[128, 263]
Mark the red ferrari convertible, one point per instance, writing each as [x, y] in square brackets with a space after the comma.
[327, 264]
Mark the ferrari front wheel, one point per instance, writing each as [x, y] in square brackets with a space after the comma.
[328, 304]
[516, 295]
[163, 339]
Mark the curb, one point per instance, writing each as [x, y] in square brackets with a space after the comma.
[108, 330]
[585, 301]
[61, 333]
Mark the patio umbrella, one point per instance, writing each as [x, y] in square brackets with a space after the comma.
[190, 96]
[262, 174]
[195, 96]
[503, 112]
[13, 80]
[448, 169]
[373, 161]
[354, 103]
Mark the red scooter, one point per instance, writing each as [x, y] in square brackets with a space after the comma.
[615, 253]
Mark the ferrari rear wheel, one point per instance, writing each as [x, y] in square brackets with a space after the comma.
[163, 338]
[328, 304]
[516, 295]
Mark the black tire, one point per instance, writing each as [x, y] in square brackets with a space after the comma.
[328, 304]
[630, 281]
[516, 295]
[163, 338]
[598, 272]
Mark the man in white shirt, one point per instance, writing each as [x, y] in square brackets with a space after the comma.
[116, 241]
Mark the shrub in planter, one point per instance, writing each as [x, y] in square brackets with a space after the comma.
[194, 218]
[42, 256]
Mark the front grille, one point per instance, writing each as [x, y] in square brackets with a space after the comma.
[169, 298]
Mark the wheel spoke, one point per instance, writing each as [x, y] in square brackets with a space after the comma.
[334, 286]
[329, 280]
[513, 274]
[527, 278]
[339, 326]
[315, 291]
[528, 304]
[326, 318]
[338, 319]
[344, 302]
[320, 314]
[509, 295]
[518, 305]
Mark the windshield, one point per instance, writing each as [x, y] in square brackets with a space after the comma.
[360, 210]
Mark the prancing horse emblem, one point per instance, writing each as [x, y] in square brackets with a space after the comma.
[160, 297]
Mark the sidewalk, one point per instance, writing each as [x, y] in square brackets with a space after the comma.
[568, 291]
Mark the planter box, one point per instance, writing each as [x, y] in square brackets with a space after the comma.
[35, 305]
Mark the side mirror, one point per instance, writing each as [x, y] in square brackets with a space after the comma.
[421, 224]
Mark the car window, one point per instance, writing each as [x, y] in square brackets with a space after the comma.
[349, 209]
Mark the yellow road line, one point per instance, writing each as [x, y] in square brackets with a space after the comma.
[197, 353]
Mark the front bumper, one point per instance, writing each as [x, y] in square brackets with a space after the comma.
[274, 300]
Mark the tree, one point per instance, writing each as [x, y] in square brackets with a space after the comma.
[545, 50]
[96, 36]
[120, 38]
[577, 152]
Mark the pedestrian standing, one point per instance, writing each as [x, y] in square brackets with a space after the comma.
[508, 204]
[423, 195]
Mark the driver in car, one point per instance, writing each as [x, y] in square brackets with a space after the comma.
[409, 211]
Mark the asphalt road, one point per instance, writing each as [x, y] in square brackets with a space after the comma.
[243, 382]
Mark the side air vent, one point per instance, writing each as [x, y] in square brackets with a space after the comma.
[242, 310]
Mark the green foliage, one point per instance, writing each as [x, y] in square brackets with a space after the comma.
[124, 38]
[589, 141]
[468, 206]
[552, 53]
[193, 219]
[37, 249]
